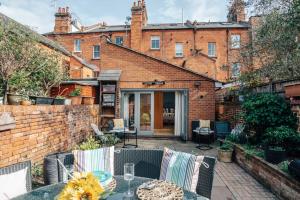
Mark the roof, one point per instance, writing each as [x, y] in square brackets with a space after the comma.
[92, 82]
[40, 38]
[83, 62]
[109, 75]
[163, 61]
[167, 26]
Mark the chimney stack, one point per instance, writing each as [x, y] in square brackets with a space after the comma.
[139, 19]
[237, 12]
[63, 21]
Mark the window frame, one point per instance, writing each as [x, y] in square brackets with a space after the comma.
[95, 51]
[75, 45]
[181, 54]
[118, 37]
[235, 44]
[209, 50]
[233, 75]
[155, 38]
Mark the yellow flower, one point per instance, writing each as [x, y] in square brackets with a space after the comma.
[84, 186]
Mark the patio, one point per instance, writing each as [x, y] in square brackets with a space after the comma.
[230, 181]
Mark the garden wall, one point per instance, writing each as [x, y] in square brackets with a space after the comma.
[281, 184]
[41, 130]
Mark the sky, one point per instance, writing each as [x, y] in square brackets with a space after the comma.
[39, 14]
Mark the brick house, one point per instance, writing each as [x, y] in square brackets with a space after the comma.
[211, 48]
[163, 75]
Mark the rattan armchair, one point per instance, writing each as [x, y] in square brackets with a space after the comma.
[17, 167]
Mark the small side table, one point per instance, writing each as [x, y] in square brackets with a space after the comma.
[208, 134]
[127, 134]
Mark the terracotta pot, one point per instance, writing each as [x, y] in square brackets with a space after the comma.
[225, 155]
[25, 103]
[62, 102]
[14, 99]
[76, 100]
[88, 100]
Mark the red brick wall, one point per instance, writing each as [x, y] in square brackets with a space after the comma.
[137, 69]
[200, 63]
[41, 130]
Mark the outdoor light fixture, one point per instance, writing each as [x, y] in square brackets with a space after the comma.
[197, 84]
[155, 82]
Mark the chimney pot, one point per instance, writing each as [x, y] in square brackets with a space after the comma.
[139, 3]
[134, 4]
[67, 9]
[59, 10]
[63, 10]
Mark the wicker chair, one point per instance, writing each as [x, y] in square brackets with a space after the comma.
[17, 167]
[148, 163]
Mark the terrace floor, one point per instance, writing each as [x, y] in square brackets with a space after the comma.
[230, 181]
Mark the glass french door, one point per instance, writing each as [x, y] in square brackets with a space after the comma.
[138, 110]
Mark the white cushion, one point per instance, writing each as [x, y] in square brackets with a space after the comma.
[13, 184]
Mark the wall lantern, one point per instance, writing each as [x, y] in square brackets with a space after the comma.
[197, 84]
[155, 82]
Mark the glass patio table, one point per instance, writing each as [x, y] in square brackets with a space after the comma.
[50, 192]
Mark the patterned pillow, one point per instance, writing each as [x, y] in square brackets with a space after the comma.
[118, 124]
[204, 123]
[94, 160]
[181, 168]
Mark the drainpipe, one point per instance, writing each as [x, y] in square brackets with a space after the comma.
[227, 51]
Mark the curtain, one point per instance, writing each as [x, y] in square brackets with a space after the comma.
[178, 113]
[126, 108]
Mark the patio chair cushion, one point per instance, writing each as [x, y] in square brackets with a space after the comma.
[13, 184]
[181, 168]
[94, 160]
[204, 123]
[118, 124]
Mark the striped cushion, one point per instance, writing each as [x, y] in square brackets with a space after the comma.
[181, 168]
[94, 160]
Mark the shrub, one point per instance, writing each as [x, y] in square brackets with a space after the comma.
[89, 144]
[265, 110]
[282, 136]
[226, 146]
[284, 166]
[109, 140]
[75, 92]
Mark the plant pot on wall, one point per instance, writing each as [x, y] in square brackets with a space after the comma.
[275, 155]
[62, 102]
[76, 100]
[42, 100]
[14, 99]
[88, 100]
[25, 103]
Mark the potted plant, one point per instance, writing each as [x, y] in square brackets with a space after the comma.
[25, 101]
[60, 100]
[14, 99]
[225, 152]
[88, 100]
[276, 141]
[75, 96]
[40, 100]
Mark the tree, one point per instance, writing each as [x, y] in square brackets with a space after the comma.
[26, 67]
[274, 45]
[16, 51]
